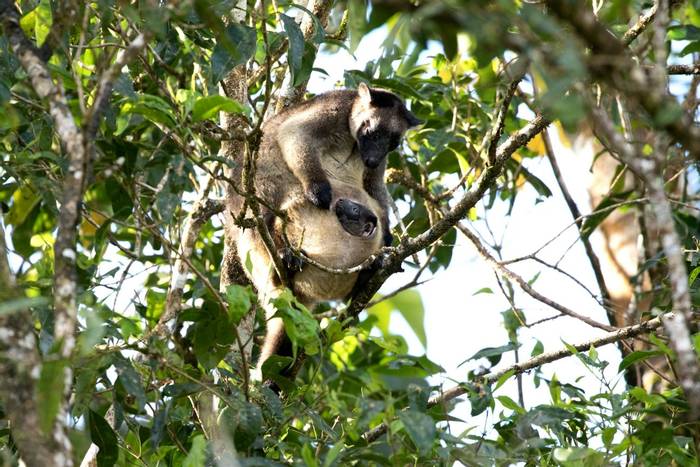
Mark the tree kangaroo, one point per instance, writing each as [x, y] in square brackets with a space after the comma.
[322, 162]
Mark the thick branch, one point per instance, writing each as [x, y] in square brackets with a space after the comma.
[65, 254]
[693, 69]
[639, 27]
[202, 210]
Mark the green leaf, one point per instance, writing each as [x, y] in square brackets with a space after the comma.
[509, 403]
[104, 438]
[239, 299]
[493, 354]
[420, 428]
[332, 454]
[382, 312]
[38, 21]
[43, 21]
[693, 275]
[50, 392]
[307, 454]
[357, 23]
[602, 211]
[243, 421]
[483, 290]
[537, 349]
[295, 56]
[541, 188]
[502, 380]
[608, 435]
[300, 326]
[547, 416]
[235, 47]
[480, 397]
[131, 380]
[24, 200]
[574, 457]
[209, 107]
[181, 389]
[410, 305]
[197, 455]
[685, 32]
[636, 357]
[153, 108]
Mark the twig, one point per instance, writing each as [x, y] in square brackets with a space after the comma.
[523, 283]
[576, 214]
[639, 27]
[104, 89]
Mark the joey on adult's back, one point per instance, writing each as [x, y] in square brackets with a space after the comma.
[339, 136]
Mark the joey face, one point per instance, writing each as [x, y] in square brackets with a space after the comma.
[356, 219]
[378, 121]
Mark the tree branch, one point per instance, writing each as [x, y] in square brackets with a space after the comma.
[536, 362]
[104, 89]
[492, 171]
[676, 325]
[612, 62]
[693, 69]
[202, 210]
[639, 27]
[65, 253]
[20, 365]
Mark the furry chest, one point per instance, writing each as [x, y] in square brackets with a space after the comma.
[344, 167]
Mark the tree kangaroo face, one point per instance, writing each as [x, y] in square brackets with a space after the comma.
[378, 121]
[356, 219]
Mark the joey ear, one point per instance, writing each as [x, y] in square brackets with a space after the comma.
[365, 93]
[412, 119]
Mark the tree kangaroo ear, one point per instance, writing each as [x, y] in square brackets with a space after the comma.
[365, 93]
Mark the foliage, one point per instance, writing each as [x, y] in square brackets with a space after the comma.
[172, 399]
